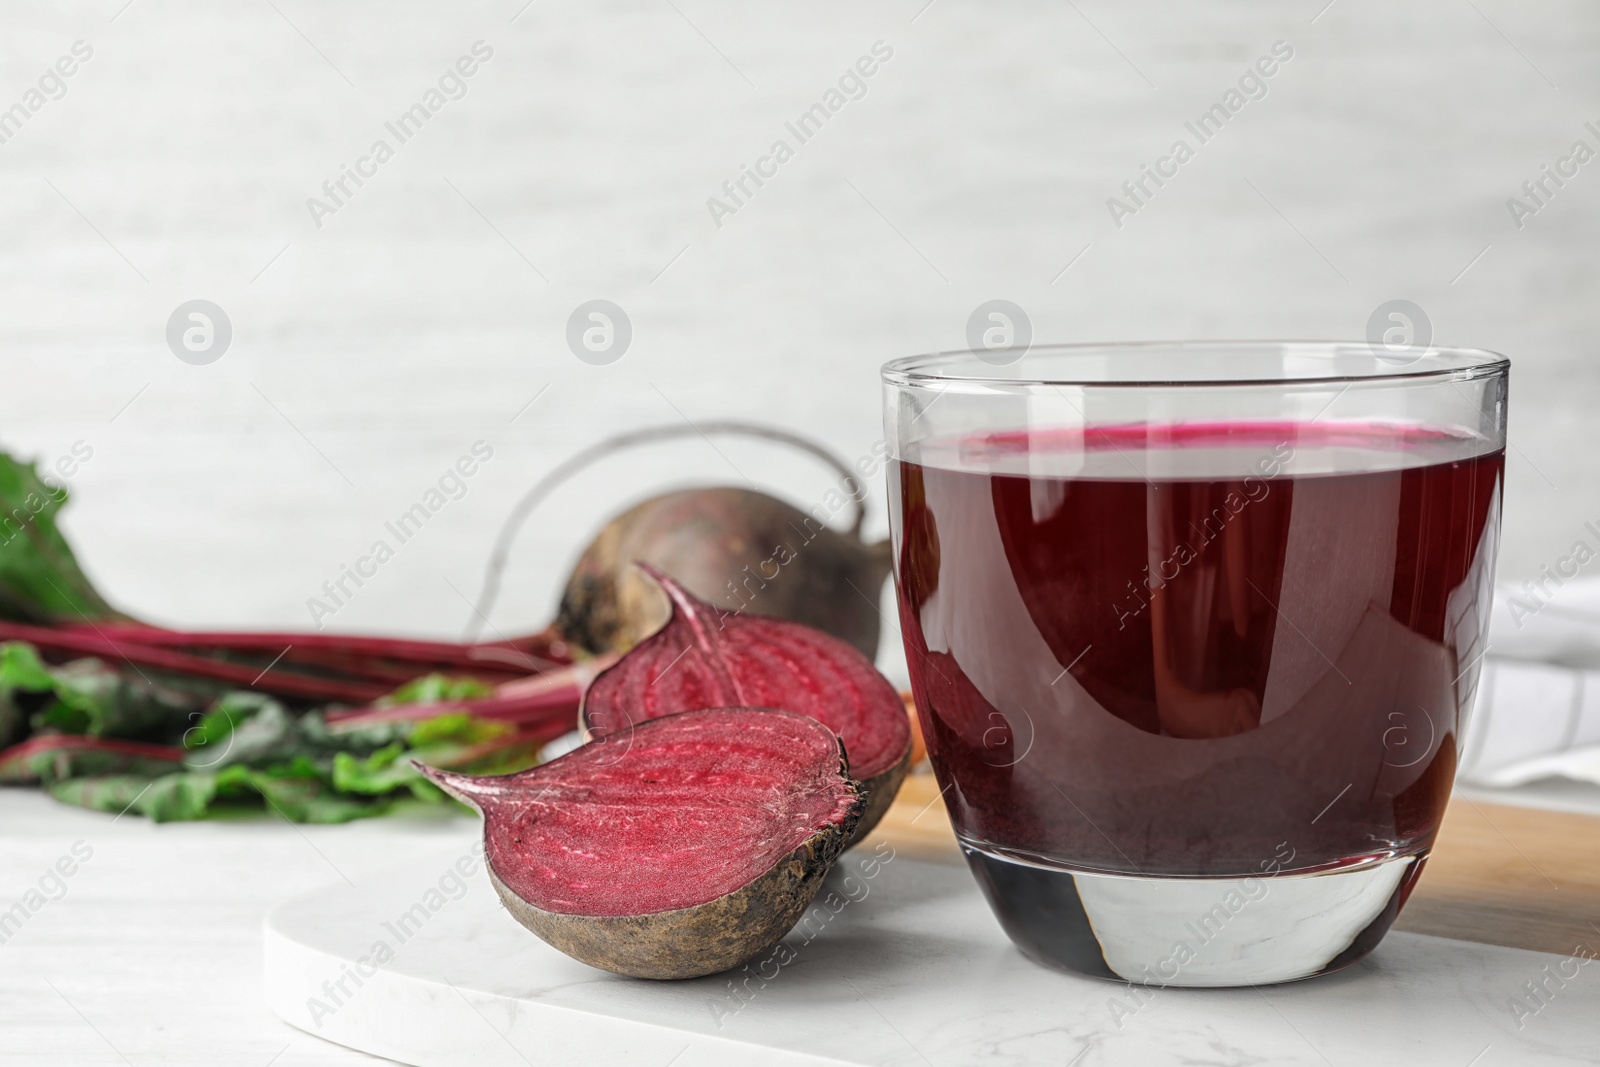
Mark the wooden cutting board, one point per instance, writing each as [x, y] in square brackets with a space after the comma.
[1499, 875]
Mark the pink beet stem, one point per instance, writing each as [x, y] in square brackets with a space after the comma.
[271, 680]
[541, 698]
[50, 742]
[507, 656]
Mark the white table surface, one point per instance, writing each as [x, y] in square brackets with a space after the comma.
[153, 955]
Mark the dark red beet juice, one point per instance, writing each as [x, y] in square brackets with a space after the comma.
[1189, 650]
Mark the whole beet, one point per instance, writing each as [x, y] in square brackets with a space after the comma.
[739, 549]
[736, 548]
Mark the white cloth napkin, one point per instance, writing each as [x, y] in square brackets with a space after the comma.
[1538, 705]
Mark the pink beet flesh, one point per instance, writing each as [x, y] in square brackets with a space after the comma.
[677, 812]
[704, 658]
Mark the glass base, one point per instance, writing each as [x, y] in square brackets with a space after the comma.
[1178, 931]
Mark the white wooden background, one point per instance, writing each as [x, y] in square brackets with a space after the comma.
[371, 352]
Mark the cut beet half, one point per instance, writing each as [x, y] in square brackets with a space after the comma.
[678, 848]
[706, 658]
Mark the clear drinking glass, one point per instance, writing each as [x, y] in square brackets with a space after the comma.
[1193, 631]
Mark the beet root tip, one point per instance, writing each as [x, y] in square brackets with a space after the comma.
[470, 789]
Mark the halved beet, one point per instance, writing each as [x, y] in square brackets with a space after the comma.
[678, 848]
[705, 658]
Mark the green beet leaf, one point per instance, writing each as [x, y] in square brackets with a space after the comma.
[40, 580]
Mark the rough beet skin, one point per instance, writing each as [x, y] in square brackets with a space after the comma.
[678, 848]
[704, 658]
[724, 544]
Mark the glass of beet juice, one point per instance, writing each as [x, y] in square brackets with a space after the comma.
[1194, 629]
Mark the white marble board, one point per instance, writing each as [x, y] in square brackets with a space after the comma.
[911, 969]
